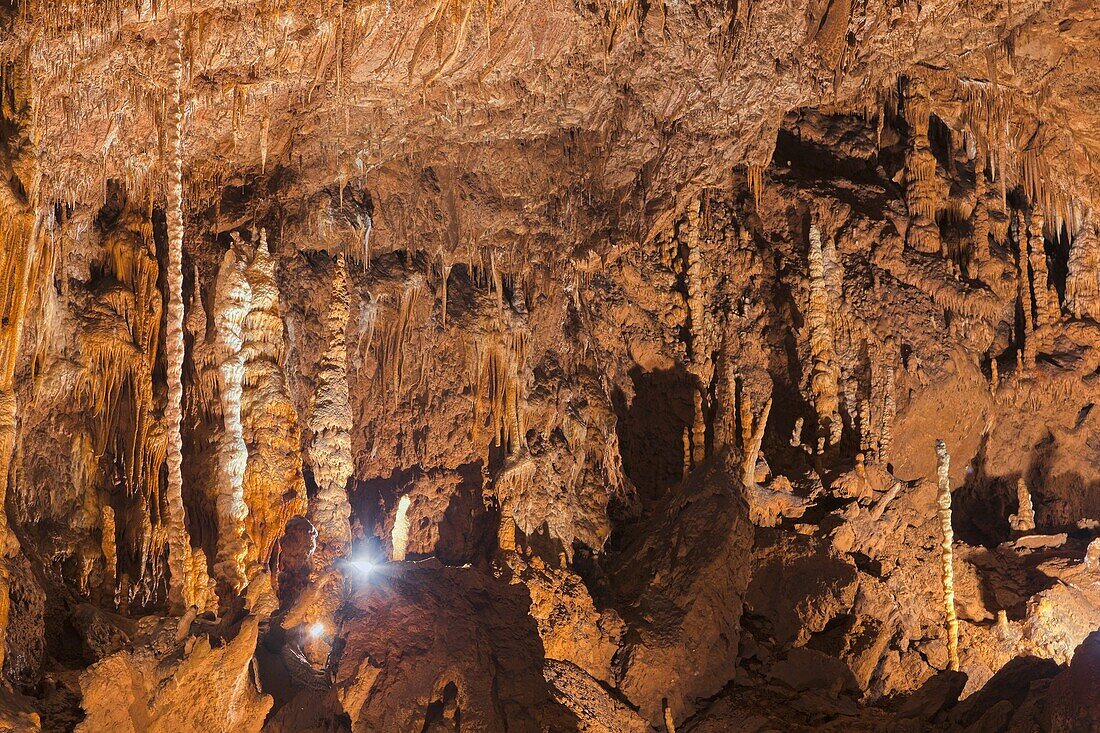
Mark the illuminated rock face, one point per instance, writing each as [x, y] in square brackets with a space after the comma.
[563, 366]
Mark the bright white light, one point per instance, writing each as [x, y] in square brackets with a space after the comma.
[363, 566]
[317, 629]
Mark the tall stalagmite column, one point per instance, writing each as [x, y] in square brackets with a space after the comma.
[179, 544]
[1026, 351]
[1046, 299]
[231, 303]
[273, 485]
[823, 375]
[943, 469]
[331, 423]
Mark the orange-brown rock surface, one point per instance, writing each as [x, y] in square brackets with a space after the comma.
[504, 366]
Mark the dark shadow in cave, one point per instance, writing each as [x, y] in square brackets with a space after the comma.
[651, 429]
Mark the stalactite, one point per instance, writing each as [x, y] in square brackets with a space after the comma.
[203, 394]
[231, 304]
[921, 197]
[394, 341]
[823, 374]
[943, 468]
[1083, 277]
[500, 360]
[1024, 518]
[179, 543]
[273, 486]
[330, 421]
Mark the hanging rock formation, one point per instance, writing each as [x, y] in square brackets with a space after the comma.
[437, 366]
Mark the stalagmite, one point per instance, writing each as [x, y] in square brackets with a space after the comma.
[179, 543]
[273, 486]
[1083, 276]
[1024, 518]
[823, 374]
[1046, 300]
[399, 536]
[330, 422]
[698, 431]
[231, 304]
[107, 543]
[889, 410]
[921, 197]
[670, 726]
[750, 450]
[978, 263]
[943, 468]
[1026, 353]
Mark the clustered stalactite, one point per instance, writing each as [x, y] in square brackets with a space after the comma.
[119, 344]
[921, 183]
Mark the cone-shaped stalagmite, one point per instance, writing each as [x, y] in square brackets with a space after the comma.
[943, 469]
[1024, 518]
[330, 421]
[273, 487]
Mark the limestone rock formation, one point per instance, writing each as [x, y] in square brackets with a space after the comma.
[445, 365]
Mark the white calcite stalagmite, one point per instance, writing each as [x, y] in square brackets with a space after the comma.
[1024, 518]
[179, 542]
[399, 536]
[231, 304]
[947, 567]
[330, 422]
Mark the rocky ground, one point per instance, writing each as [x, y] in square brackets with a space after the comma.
[573, 367]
